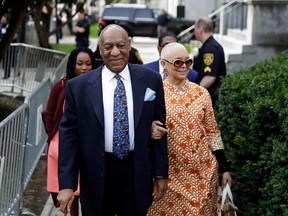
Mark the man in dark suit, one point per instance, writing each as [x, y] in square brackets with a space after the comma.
[164, 39]
[110, 184]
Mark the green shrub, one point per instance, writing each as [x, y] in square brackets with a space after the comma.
[252, 113]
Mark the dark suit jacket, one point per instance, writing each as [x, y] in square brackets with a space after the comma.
[193, 76]
[82, 147]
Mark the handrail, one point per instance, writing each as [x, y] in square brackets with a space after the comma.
[223, 7]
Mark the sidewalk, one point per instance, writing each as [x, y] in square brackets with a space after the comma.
[146, 46]
[50, 210]
[70, 39]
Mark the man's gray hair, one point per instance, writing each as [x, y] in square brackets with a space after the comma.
[205, 23]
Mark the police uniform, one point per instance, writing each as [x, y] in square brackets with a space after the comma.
[134, 57]
[82, 39]
[211, 61]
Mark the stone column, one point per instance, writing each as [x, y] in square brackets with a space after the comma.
[267, 22]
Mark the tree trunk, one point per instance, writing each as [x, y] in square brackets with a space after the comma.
[42, 24]
[17, 14]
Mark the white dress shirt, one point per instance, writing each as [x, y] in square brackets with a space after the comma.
[161, 69]
[109, 83]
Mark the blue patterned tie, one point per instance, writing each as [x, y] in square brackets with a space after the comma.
[120, 120]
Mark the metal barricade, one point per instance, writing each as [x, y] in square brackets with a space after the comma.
[36, 135]
[12, 141]
[25, 66]
[22, 134]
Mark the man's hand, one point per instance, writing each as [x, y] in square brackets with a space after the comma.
[226, 179]
[159, 188]
[65, 199]
[157, 131]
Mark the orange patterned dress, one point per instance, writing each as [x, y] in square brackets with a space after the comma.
[193, 170]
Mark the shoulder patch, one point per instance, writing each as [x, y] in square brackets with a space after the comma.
[208, 58]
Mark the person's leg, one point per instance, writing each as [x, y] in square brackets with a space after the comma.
[127, 205]
[6, 65]
[119, 186]
[110, 193]
[74, 211]
[54, 198]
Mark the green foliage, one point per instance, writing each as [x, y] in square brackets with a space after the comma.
[252, 113]
[188, 47]
[63, 47]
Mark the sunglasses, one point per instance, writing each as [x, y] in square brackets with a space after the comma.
[179, 63]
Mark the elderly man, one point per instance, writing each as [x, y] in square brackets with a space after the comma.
[105, 135]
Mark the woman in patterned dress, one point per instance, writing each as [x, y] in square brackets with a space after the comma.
[195, 148]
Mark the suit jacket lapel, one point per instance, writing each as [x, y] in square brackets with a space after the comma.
[95, 94]
[138, 88]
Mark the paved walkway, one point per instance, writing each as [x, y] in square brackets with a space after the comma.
[146, 46]
[70, 39]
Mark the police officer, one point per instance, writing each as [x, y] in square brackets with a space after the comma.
[81, 30]
[210, 62]
[8, 58]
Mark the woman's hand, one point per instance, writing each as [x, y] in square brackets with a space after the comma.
[157, 131]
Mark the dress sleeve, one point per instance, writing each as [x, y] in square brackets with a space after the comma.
[212, 132]
[51, 107]
[213, 136]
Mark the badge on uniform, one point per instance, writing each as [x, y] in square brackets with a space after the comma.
[208, 59]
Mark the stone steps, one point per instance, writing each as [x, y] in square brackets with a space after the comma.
[239, 53]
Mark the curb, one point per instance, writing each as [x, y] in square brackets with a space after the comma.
[48, 208]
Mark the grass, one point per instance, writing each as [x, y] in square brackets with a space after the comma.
[63, 47]
[67, 48]
[94, 28]
[192, 45]
[188, 47]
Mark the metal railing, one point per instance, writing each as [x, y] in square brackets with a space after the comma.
[25, 66]
[12, 142]
[22, 135]
[224, 19]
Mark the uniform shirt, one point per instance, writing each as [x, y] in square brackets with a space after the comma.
[85, 35]
[211, 61]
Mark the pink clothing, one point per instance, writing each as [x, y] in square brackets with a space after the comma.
[52, 167]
